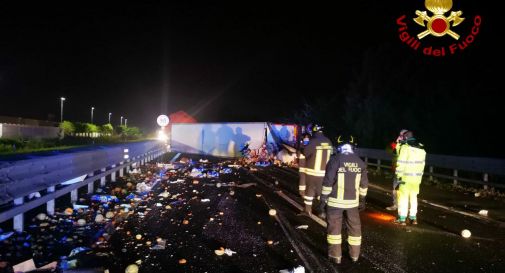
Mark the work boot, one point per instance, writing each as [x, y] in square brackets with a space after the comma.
[393, 207]
[336, 260]
[413, 221]
[308, 210]
[400, 222]
[322, 215]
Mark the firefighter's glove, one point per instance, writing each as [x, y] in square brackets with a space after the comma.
[322, 205]
[398, 183]
[361, 205]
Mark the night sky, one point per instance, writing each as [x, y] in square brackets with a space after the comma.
[225, 62]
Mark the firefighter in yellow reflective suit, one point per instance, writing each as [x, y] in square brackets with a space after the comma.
[409, 172]
[345, 186]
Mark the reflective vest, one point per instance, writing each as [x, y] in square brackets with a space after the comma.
[317, 153]
[345, 180]
[410, 164]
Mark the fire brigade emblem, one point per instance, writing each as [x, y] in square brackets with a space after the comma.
[438, 24]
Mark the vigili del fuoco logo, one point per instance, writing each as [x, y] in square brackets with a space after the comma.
[435, 23]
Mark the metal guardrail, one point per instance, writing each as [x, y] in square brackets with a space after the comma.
[482, 166]
[20, 178]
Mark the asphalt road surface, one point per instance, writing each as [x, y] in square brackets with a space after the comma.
[188, 221]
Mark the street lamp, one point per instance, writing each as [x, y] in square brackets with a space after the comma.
[109, 117]
[121, 122]
[62, 99]
[92, 108]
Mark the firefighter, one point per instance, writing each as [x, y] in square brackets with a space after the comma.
[316, 153]
[409, 172]
[344, 189]
[301, 165]
[396, 146]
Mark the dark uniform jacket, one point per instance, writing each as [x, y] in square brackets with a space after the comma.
[345, 180]
[317, 153]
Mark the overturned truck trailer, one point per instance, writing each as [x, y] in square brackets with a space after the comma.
[228, 139]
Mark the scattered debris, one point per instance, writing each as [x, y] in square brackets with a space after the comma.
[69, 211]
[133, 268]
[247, 185]
[466, 233]
[99, 218]
[483, 212]
[41, 216]
[81, 222]
[220, 251]
[272, 212]
[164, 194]
[229, 252]
[302, 227]
[298, 269]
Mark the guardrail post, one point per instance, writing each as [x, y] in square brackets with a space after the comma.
[73, 196]
[91, 185]
[455, 180]
[102, 180]
[113, 174]
[50, 204]
[378, 164]
[431, 173]
[485, 178]
[19, 219]
[121, 170]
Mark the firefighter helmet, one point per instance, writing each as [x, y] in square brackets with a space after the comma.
[346, 144]
[408, 135]
[317, 128]
[346, 139]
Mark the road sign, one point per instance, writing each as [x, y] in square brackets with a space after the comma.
[162, 120]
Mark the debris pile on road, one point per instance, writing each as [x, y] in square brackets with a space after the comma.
[157, 217]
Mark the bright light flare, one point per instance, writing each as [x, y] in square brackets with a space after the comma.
[162, 136]
[381, 216]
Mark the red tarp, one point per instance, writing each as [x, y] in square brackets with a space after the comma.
[181, 117]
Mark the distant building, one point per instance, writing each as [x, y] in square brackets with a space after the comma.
[16, 127]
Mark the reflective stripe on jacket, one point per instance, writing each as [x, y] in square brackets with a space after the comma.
[317, 153]
[410, 164]
[301, 170]
[345, 180]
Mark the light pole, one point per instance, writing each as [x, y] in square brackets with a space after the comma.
[126, 122]
[109, 117]
[62, 99]
[121, 122]
[92, 108]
